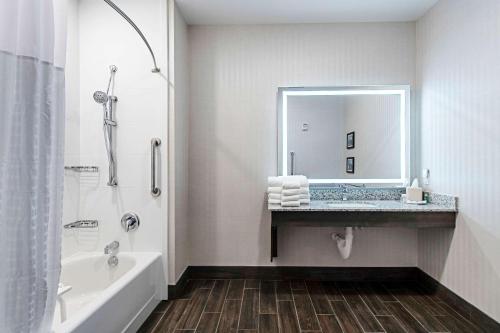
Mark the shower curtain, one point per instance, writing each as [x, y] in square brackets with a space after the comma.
[31, 161]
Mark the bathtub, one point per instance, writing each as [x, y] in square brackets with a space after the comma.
[108, 299]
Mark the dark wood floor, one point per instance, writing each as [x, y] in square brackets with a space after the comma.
[251, 306]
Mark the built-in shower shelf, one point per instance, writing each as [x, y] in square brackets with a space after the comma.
[82, 224]
[84, 168]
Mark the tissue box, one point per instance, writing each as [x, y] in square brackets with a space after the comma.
[414, 194]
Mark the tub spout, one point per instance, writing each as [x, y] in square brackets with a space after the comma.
[113, 246]
[344, 242]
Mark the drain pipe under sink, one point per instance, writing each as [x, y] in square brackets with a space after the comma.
[344, 242]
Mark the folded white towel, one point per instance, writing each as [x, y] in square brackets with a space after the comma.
[278, 181]
[305, 201]
[291, 184]
[275, 196]
[274, 181]
[290, 198]
[290, 204]
[274, 189]
[305, 197]
[274, 201]
[302, 190]
[298, 178]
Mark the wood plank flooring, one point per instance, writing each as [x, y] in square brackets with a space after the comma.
[254, 306]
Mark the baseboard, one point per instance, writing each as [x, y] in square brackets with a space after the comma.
[175, 289]
[306, 273]
[289, 272]
[459, 304]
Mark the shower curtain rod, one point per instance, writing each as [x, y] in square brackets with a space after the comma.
[129, 20]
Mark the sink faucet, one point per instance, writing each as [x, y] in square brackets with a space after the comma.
[344, 192]
[345, 188]
[113, 246]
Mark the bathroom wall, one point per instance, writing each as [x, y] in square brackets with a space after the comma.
[458, 45]
[319, 151]
[235, 74]
[376, 123]
[141, 113]
[178, 145]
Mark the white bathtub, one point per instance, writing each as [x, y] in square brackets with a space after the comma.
[109, 299]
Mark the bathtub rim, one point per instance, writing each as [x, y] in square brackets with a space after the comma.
[142, 261]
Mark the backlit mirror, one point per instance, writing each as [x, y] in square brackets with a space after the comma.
[356, 135]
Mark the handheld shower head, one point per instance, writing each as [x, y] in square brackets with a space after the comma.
[101, 97]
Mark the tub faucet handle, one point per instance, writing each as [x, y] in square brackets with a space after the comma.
[111, 247]
[130, 221]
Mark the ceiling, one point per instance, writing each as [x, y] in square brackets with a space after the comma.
[301, 11]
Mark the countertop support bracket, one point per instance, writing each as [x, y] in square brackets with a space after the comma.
[367, 219]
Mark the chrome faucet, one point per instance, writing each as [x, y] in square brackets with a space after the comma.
[113, 246]
[344, 192]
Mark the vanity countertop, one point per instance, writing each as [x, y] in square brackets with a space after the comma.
[363, 206]
[440, 213]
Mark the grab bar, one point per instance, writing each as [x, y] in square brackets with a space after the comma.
[155, 190]
[292, 163]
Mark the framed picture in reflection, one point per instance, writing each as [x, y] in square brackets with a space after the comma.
[350, 140]
[349, 165]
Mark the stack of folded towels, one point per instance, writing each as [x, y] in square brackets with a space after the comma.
[288, 191]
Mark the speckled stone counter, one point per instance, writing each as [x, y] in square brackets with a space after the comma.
[321, 192]
[365, 206]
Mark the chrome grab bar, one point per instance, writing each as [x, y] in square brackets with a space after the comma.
[155, 190]
[292, 163]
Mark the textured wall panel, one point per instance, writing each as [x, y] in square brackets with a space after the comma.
[235, 74]
[178, 147]
[140, 116]
[458, 45]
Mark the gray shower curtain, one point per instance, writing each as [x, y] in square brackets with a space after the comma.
[31, 163]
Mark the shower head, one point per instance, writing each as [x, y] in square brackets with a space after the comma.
[101, 97]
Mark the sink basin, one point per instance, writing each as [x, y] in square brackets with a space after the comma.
[350, 204]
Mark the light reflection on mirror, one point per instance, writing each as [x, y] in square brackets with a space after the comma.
[356, 135]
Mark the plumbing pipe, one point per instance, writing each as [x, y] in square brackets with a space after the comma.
[344, 242]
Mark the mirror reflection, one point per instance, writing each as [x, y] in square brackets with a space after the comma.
[344, 135]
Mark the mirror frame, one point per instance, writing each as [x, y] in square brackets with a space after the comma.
[402, 90]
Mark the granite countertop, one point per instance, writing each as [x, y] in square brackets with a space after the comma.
[365, 206]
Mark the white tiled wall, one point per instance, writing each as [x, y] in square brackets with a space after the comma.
[104, 38]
